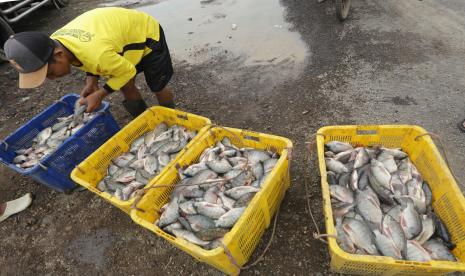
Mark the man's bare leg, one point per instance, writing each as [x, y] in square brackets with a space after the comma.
[165, 97]
[133, 102]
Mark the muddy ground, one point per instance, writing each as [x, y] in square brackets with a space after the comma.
[391, 62]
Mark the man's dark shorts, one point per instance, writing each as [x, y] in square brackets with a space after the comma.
[157, 65]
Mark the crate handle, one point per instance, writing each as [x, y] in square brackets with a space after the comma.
[251, 135]
[42, 166]
[61, 101]
[4, 143]
[367, 131]
[182, 116]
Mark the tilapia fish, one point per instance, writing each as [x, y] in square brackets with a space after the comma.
[213, 193]
[50, 138]
[148, 155]
[382, 206]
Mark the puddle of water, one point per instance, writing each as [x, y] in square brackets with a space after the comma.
[198, 30]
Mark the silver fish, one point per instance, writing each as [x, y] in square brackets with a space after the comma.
[163, 159]
[258, 170]
[219, 166]
[43, 136]
[428, 195]
[396, 153]
[384, 193]
[388, 161]
[230, 218]
[29, 163]
[360, 235]
[189, 236]
[392, 229]
[228, 153]
[238, 192]
[438, 251]
[142, 177]
[342, 239]
[202, 177]
[228, 203]
[150, 164]
[212, 234]
[329, 154]
[344, 156]
[336, 166]
[353, 182]
[255, 156]
[60, 125]
[416, 193]
[241, 161]
[386, 245]
[341, 193]
[397, 186]
[243, 179]
[340, 209]
[427, 230]
[269, 164]
[137, 164]
[211, 195]
[331, 178]
[395, 212]
[194, 169]
[244, 200]
[410, 220]
[171, 227]
[123, 160]
[161, 128]
[368, 206]
[136, 144]
[210, 210]
[344, 180]
[361, 159]
[187, 208]
[380, 174]
[338, 147]
[405, 171]
[415, 252]
[199, 222]
[171, 214]
[19, 159]
[130, 188]
[127, 176]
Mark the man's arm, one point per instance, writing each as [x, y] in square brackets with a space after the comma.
[91, 85]
[120, 72]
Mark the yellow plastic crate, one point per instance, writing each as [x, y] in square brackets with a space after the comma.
[246, 233]
[90, 171]
[448, 201]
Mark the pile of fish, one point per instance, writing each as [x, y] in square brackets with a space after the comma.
[147, 157]
[382, 206]
[49, 139]
[213, 193]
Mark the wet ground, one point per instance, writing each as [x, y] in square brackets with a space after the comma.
[284, 67]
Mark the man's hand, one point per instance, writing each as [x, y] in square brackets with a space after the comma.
[94, 100]
[90, 87]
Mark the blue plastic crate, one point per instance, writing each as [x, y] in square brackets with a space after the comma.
[55, 169]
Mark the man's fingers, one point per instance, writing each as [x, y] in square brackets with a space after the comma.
[90, 109]
[82, 101]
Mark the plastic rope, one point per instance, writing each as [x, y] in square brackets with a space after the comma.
[444, 152]
[262, 255]
[316, 235]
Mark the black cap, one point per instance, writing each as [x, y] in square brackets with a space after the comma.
[29, 52]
